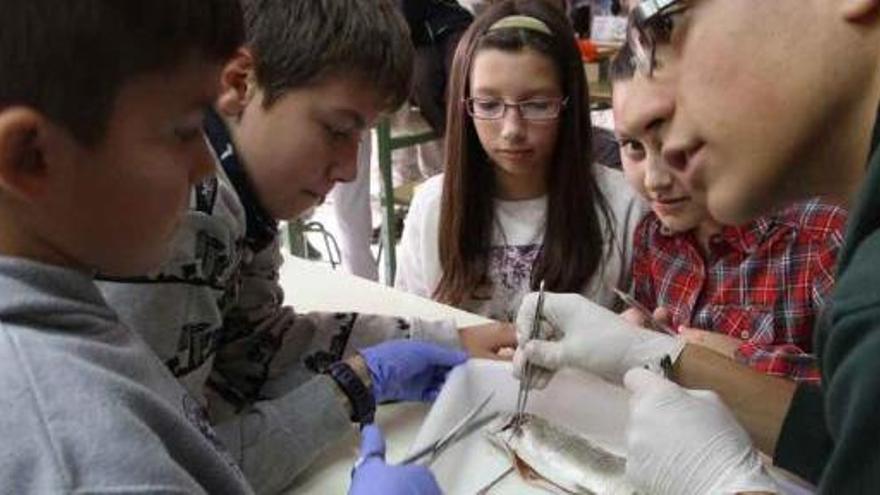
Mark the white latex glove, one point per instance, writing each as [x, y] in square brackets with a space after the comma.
[682, 441]
[579, 333]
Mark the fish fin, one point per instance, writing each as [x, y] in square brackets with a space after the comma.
[532, 477]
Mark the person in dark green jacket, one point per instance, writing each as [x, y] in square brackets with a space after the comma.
[773, 102]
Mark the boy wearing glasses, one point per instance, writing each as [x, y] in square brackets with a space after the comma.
[749, 129]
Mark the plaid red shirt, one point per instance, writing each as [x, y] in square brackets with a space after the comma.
[764, 283]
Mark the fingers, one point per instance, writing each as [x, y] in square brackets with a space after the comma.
[505, 336]
[372, 442]
[545, 354]
[434, 385]
[634, 316]
[662, 315]
[487, 341]
[706, 395]
[421, 480]
[441, 356]
[540, 376]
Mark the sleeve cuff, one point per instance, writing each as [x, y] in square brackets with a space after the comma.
[804, 442]
[443, 332]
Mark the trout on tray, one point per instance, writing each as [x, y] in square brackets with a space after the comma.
[558, 459]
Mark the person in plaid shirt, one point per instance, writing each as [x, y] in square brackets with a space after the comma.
[750, 292]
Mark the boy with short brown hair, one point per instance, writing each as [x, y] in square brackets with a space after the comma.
[100, 110]
[295, 99]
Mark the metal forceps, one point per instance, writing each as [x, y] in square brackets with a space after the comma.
[655, 325]
[452, 435]
[525, 382]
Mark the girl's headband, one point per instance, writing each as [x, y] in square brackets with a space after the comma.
[521, 22]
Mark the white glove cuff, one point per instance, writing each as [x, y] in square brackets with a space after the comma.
[754, 479]
[652, 351]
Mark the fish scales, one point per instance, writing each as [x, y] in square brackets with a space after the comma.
[558, 458]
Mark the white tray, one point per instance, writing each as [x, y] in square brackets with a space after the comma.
[578, 401]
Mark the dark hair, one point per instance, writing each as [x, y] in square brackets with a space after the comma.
[69, 59]
[572, 250]
[623, 65]
[296, 42]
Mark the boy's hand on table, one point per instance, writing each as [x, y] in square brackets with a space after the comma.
[682, 441]
[714, 341]
[409, 369]
[487, 341]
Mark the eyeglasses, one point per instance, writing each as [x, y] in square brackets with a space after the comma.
[495, 108]
[651, 23]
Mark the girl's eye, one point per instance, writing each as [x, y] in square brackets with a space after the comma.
[487, 106]
[633, 149]
[536, 105]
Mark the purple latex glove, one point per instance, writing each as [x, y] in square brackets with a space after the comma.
[371, 476]
[409, 369]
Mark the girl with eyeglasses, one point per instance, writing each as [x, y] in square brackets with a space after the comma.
[520, 200]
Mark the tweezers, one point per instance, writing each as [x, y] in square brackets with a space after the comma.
[451, 436]
[652, 322]
[525, 382]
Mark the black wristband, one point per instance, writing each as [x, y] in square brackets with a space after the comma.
[363, 404]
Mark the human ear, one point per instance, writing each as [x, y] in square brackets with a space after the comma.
[238, 84]
[23, 167]
[860, 10]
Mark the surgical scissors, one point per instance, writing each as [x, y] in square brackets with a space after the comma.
[435, 448]
[526, 380]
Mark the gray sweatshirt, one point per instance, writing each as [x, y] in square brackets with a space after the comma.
[86, 406]
[214, 314]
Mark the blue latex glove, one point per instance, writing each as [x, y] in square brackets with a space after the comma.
[372, 476]
[409, 369]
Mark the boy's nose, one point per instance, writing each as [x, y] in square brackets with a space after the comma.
[345, 167]
[201, 161]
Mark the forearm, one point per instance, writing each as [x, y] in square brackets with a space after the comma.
[273, 441]
[760, 402]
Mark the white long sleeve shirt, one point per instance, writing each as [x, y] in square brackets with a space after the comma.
[516, 240]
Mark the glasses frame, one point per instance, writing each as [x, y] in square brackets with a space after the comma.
[561, 101]
[645, 20]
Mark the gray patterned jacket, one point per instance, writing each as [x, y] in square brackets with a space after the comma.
[214, 314]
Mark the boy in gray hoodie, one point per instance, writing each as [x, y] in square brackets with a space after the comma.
[101, 104]
[295, 100]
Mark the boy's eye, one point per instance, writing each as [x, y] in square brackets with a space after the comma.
[664, 27]
[186, 134]
[338, 133]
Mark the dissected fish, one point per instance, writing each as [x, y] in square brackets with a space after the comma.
[557, 458]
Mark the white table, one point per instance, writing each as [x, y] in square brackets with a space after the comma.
[314, 286]
[311, 286]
